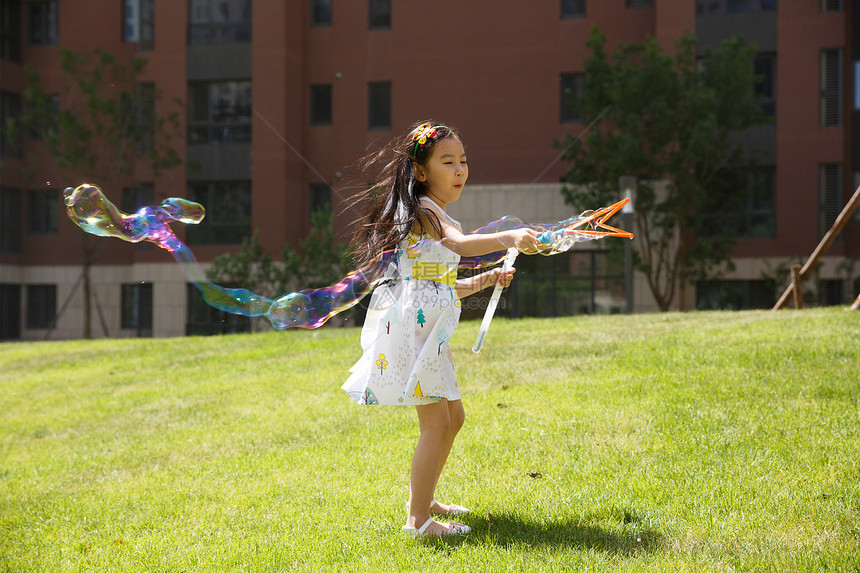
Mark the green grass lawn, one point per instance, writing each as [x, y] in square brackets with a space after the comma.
[672, 442]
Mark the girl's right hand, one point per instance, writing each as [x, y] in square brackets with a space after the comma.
[524, 240]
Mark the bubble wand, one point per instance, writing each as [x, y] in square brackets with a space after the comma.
[557, 241]
[494, 302]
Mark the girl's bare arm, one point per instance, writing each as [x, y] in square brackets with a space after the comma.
[524, 240]
[471, 285]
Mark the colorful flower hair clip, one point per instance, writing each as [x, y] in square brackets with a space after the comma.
[424, 133]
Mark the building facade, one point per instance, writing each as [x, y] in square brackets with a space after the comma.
[282, 97]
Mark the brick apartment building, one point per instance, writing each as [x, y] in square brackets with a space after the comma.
[284, 95]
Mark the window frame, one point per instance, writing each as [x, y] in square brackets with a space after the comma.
[224, 224]
[11, 32]
[11, 215]
[233, 128]
[375, 112]
[320, 105]
[376, 19]
[136, 308]
[753, 207]
[11, 106]
[831, 6]
[45, 13]
[568, 113]
[761, 88]
[830, 196]
[830, 88]
[319, 196]
[573, 9]
[41, 306]
[130, 21]
[314, 9]
[43, 212]
[206, 28]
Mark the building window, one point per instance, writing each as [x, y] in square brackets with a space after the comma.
[136, 301]
[41, 305]
[733, 6]
[44, 211]
[320, 12]
[130, 20]
[830, 100]
[764, 66]
[10, 31]
[570, 88]
[10, 220]
[855, 186]
[220, 112]
[831, 292]
[219, 22]
[147, 26]
[321, 103]
[132, 200]
[10, 109]
[138, 23]
[639, 3]
[831, 5]
[379, 105]
[10, 312]
[572, 9]
[204, 319]
[140, 107]
[758, 219]
[576, 282]
[829, 195]
[320, 199]
[43, 23]
[735, 295]
[857, 84]
[379, 14]
[228, 213]
[47, 117]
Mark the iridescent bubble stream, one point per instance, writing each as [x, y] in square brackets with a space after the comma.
[90, 209]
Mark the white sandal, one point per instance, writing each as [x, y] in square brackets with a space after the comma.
[456, 529]
[453, 509]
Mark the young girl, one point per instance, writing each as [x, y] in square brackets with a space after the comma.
[412, 314]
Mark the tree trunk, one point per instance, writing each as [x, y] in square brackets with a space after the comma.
[88, 249]
[87, 301]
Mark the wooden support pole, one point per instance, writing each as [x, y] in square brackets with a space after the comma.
[822, 248]
[797, 286]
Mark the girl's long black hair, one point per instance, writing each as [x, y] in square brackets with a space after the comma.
[390, 198]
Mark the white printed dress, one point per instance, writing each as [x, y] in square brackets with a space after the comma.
[406, 357]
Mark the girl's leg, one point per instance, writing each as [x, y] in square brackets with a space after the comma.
[434, 424]
[456, 418]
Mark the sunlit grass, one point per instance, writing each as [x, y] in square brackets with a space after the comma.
[701, 441]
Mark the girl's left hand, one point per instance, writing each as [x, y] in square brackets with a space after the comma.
[504, 279]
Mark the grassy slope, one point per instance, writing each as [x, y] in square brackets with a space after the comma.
[701, 441]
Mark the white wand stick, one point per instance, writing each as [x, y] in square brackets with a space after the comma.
[494, 302]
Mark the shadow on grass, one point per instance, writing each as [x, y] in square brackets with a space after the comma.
[626, 535]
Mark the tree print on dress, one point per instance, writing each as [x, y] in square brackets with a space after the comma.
[381, 363]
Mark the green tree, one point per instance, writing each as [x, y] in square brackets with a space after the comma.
[672, 122]
[101, 126]
[319, 262]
